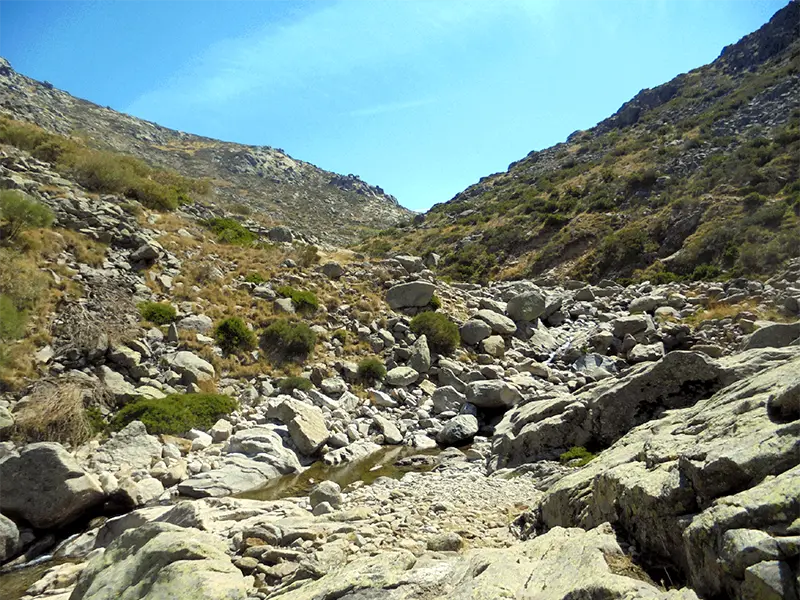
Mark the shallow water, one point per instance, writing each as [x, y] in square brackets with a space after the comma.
[14, 583]
[377, 464]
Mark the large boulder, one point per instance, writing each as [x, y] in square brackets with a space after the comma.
[401, 376]
[682, 483]
[772, 335]
[474, 331]
[9, 538]
[305, 422]
[493, 393]
[46, 487]
[527, 306]
[162, 561]
[499, 323]
[131, 447]
[458, 430]
[264, 445]
[409, 295]
[420, 359]
[235, 475]
[191, 367]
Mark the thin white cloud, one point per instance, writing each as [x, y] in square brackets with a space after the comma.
[389, 108]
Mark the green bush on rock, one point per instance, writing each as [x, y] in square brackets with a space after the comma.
[176, 414]
[158, 313]
[288, 384]
[442, 333]
[371, 370]
[285, 339]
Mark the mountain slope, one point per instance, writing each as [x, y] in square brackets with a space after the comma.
[332, 207]
[695, 176]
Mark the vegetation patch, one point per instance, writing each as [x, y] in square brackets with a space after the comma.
[303, 301]
[232, 335]
[371, 370]
[230, 231]
[158, 313]
[288, 384]
[288, 340]
[176, 414]
[577, 456]
[441, 333]
[19, 212]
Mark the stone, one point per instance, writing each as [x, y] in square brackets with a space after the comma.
[769, 580]
[327, 491]
[305, 422]
[146, 252]
[409, 295]
[281, 235]
[391, 434]
[235, 475]
[646, 352]
[50, 488]
[474, 331]
[132, 446]
[630, 325]
[161, 560]
[458, 431]
[124, 356]
[284, 305]
[9, 539]
[191, 367]
[332, 270]
[198, 323]
[6, 421]
[772, 335]
[221, 430]
[494, 346]
[644, 304]
[527, 306]
[116, 384]
[447, 398]
[420, 359]
[401, 376]
[354, 452]
[499, 323]
[445, 542]
[264, 445]
[492, 394]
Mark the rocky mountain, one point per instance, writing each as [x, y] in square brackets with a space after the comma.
[203, 406]
[696, 177]
[264, 180]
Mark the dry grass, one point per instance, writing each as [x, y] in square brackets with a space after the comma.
[56, 411]
[722, 310]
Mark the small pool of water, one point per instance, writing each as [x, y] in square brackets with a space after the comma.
[13, 584]
[368, 469]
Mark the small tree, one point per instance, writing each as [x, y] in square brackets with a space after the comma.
[19, 212]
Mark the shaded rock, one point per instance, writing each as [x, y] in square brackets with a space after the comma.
[526, 307]
[306, 423]
[492, 394]
[412, 294]
[420, 359]
[458, 430]
[9, 539]
[474, 331]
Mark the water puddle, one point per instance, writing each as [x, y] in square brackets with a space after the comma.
[13, 584]
[368, 469]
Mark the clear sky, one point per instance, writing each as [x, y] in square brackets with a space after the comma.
[421, 97]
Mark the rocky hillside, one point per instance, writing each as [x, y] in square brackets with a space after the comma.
[692, 179]
[251, 179]
[188, 412]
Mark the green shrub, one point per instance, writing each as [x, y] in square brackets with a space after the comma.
[232, 334]
[577, 453]
[288, 384]
[340, 335]
[12, 321]
[176, 414]
[230, 231]
[18, 212]
[753, 201]
[302, 301]
[158, 313]
[441, 332]
[435, 303]
[706, 273]
[255, 278]
[285, 339]
[371, 370]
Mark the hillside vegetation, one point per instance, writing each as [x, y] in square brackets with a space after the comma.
[694, 179]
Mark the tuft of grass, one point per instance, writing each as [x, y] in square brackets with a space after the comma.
[303, 301]
[577, 453]
[19, 212]
[441, 332]
[371, 370]
[176, 414]
[158, 313]
[288, 384]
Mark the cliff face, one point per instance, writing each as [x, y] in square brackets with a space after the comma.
[699, 172]
[330, 206]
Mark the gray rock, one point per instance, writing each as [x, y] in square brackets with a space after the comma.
[644, 304]
[646, 352]
[9, 539]
[527, 306]
[391, 434]
[235, 475]
[332, 270]
[630, 325]
[221, 430]
[474, 331]
[494, 346]
[161, 560]
[492, 394]
[49, 488]
[306, 423]
[447, 398]
[6, 421]
[499, 323]
[264, 445]
[401, 376]
[445, 542]
[280, 234]
[124, 356]
[412, 294]
[146, 252]
[131, 446]
[412, 264]
[198, 323]
[773, 335]
[458, 430]
[192, 368]
[420, 359]
[327, 491]
[353, 452]
[769, 580]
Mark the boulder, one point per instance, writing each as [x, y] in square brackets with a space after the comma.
[161, 560]
[631, 325]
[646, 352]
[327, 491]
[772, 335]
[492, 394]
[281, 235]
[409, 295]
[494, 346]
[9, 539]
[191, 367]
[458, 431]
[527, 306]
[447, 398]
[499, 323]
[420, 359]
[401, 376]
[235, 475]
[131, 447]
[412, 264]
[146, 252]
[391, 434]
[332, 270]
[198, 323]
[264, 445]
[49, 488]
[305, 422]
[474, 331]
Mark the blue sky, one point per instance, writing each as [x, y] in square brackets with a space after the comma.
[420, 97]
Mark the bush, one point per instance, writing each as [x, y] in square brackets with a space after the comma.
[176, 414]
[158, 313]
[19, 212]
[371, 370]
[255, 278]
[340, 335]
[706, 273]
[230, 231]
[435, 303]
[232, 334]
[577, 453]
[285, 339]
[753, 201]
[308, 256]
[289, 384]
[12, 320]
[441, 332]
[302, 301]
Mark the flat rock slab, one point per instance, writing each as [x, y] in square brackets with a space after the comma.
[238, 474]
